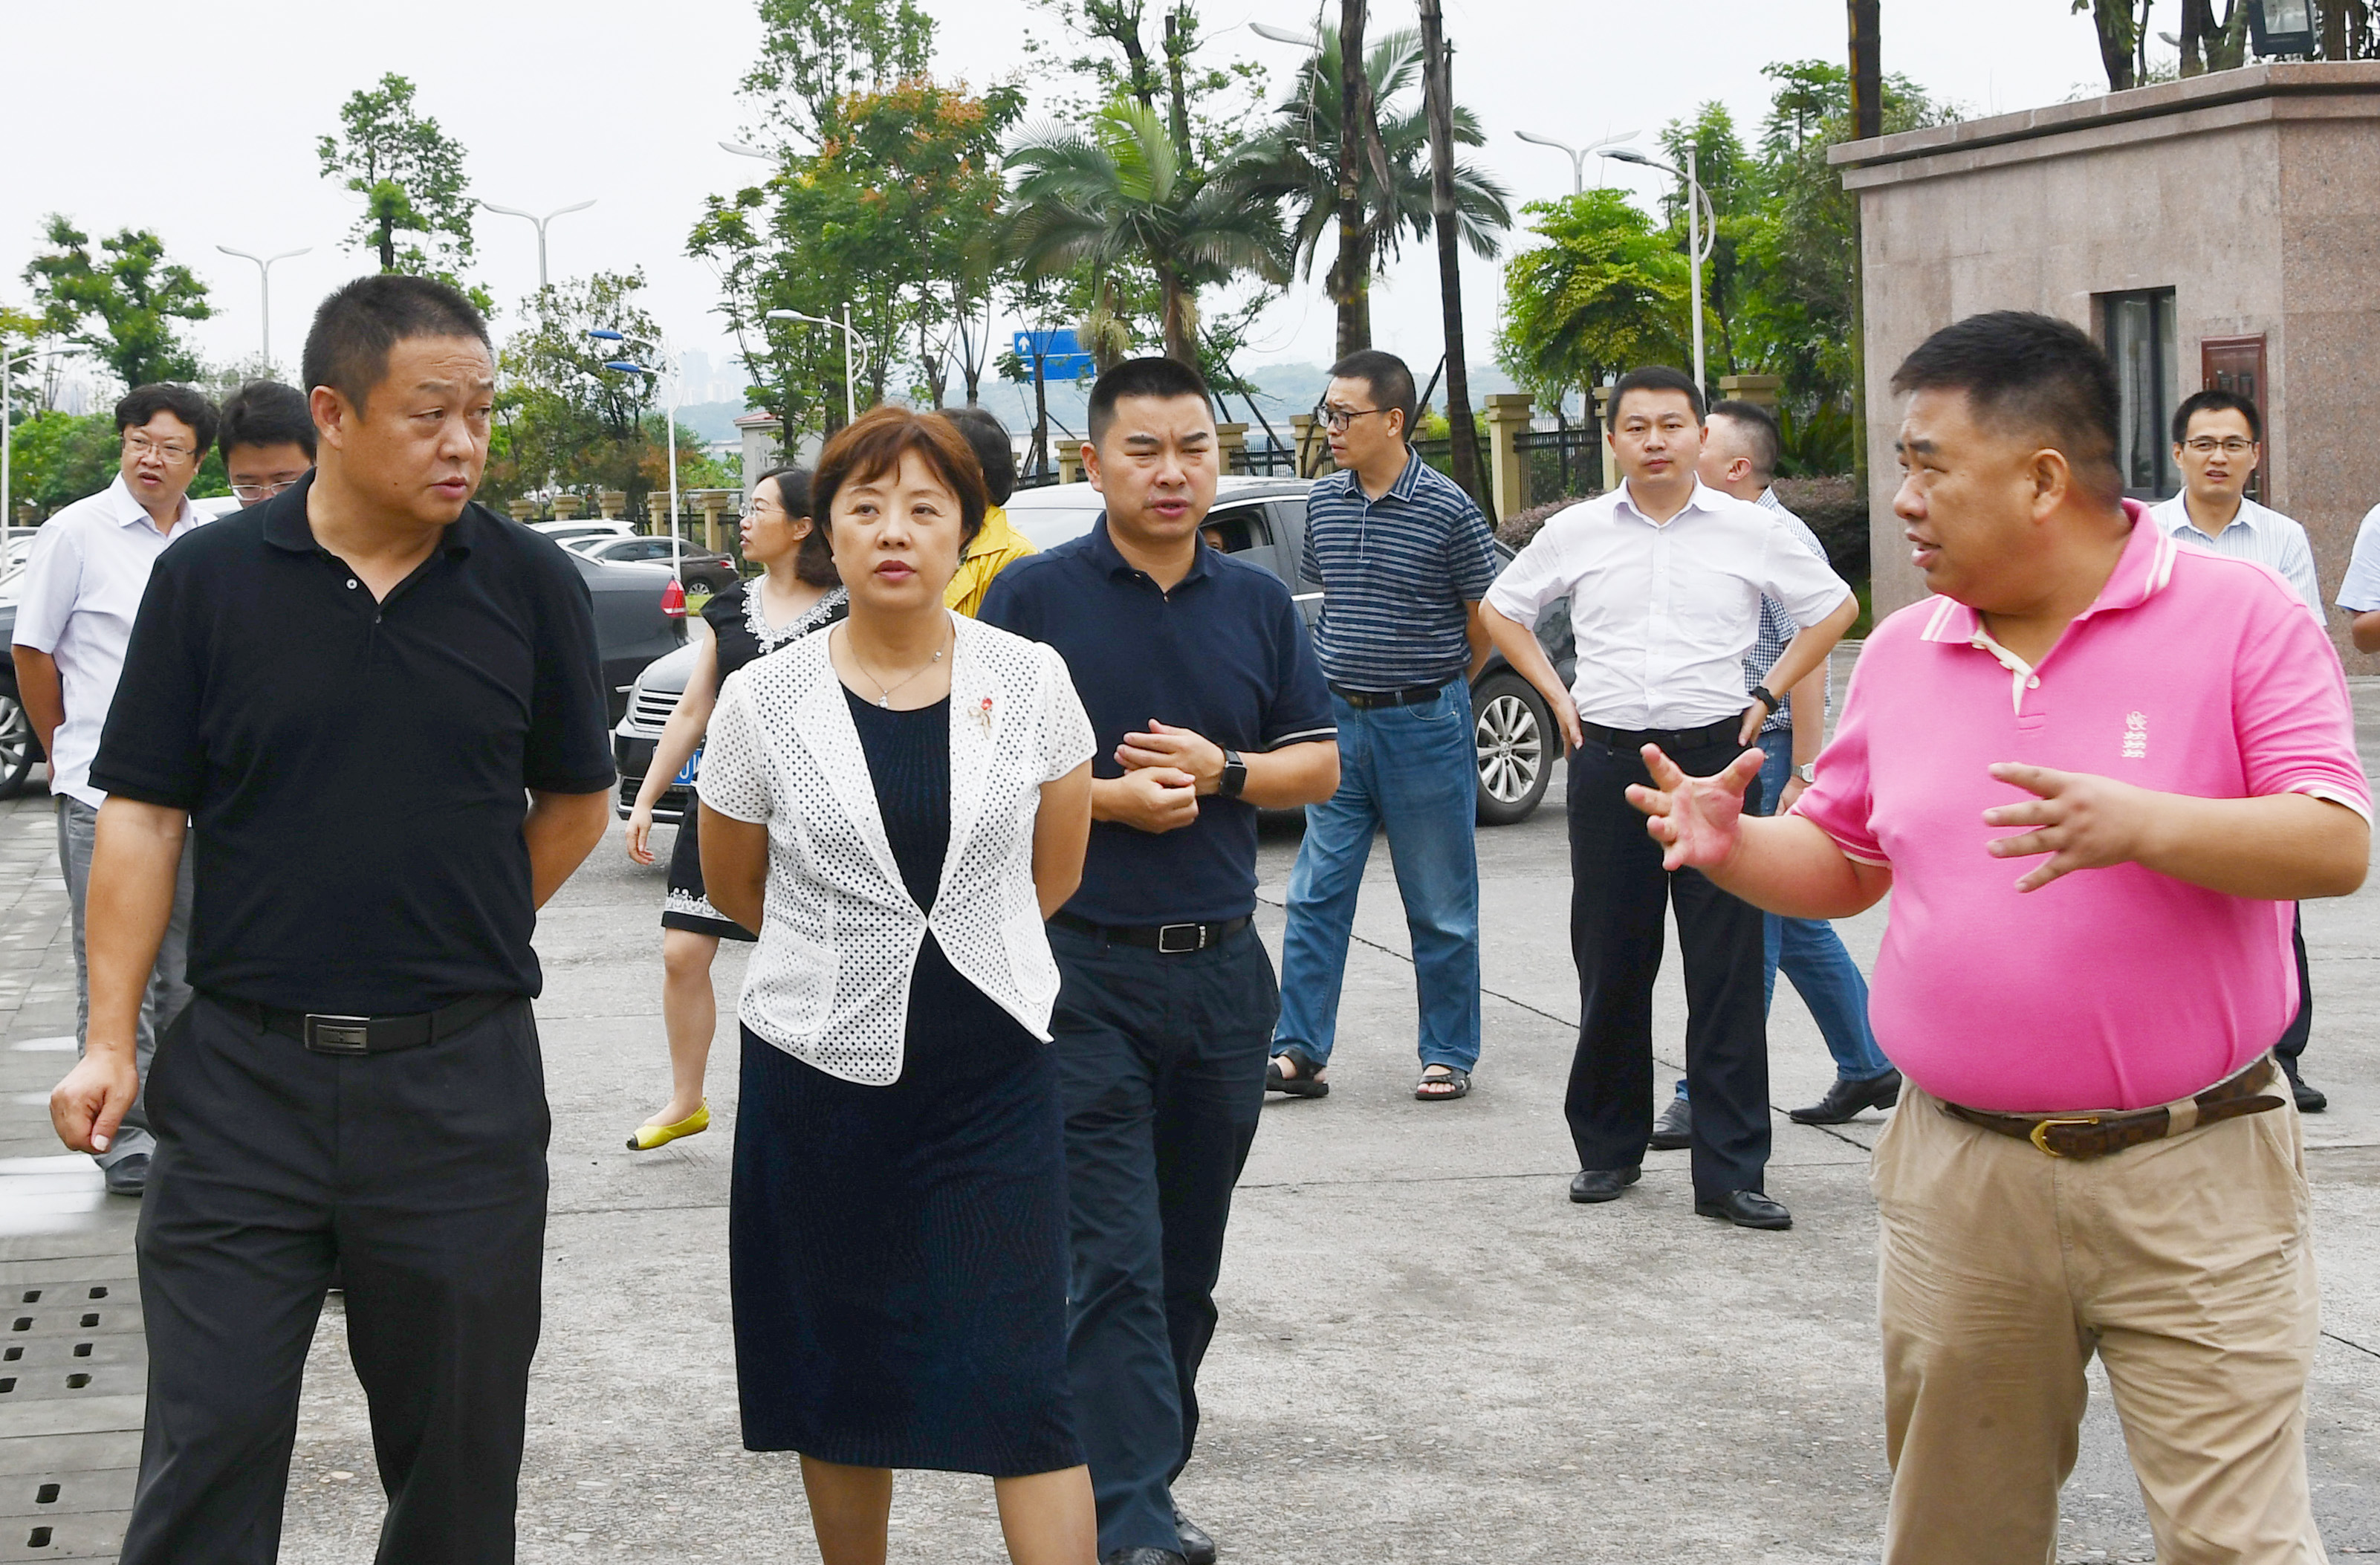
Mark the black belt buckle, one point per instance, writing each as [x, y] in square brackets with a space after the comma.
[1166, 932]
[338, 1034]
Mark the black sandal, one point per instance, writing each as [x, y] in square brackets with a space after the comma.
[1302, 1084]
[1457, 1083]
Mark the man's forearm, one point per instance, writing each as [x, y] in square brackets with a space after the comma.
[1292, 776]
[2364, 631]
[560, 831]
[1521, 647]
[42, 693]
[1807, 651]
[2282, 847]
[1474, 631]
[1784, 864]
[135, 860]
[1809, 716]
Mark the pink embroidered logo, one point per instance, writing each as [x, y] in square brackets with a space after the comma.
[2136, 737]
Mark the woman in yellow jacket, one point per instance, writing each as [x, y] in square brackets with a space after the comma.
[991, 551]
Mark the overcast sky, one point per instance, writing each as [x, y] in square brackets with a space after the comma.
[200, 121]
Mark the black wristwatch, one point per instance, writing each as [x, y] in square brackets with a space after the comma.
[1235, 775]
[1761, 694]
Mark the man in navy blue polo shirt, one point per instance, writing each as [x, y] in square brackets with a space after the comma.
[1404, 557]
[1197, 676]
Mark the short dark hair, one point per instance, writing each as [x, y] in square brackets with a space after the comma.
[2035, 374]
[814, 561]
[347, 349]
[143, 403]
[1656, 377]
[1390, 378]
[267, 413]
[1161, 378]
[1760, 429]
[872, 446]
[2214, 401]
[993, 453]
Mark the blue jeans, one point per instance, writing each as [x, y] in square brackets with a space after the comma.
[1415, 770]
[1812, 954]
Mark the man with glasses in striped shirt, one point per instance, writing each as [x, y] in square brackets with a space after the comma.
[2217, 443]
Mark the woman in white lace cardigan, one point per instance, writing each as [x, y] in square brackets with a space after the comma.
[897, 804]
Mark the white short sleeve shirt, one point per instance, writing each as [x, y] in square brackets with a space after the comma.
[829, 981]
[2257, 533]
[83, 586]
[1663, 612]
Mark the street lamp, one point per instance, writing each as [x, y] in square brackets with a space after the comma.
[1578, 155]
[8, 362]
[669, 427]
[541, 221]
[265, 275]
[1700, 237]
[743, 150]
[851, 343]
[1286, 35]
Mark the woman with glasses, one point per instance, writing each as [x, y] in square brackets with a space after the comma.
[798, 593]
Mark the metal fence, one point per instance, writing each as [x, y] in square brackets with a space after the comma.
[1556, 463]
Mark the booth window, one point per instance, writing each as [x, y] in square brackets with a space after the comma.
[2141, 339]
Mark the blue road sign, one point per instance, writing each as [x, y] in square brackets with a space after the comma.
[1060, 354]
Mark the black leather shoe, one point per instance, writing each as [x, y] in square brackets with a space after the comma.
[1675, 1128]
[127, 1176]
[1196, 1547]
[1589, 1185]
[1142, 1557]
[1746, 1208]
[1845, 1100]
[2309, 1099]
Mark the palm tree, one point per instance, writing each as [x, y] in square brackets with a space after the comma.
[1121, 193]
[1296, 162]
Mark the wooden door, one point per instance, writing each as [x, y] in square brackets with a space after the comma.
[2237, 364]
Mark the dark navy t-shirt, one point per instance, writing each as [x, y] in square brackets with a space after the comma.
[1224, 654]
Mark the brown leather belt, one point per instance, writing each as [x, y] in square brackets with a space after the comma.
[2084, 1137]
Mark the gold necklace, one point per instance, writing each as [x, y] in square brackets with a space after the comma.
[884, 691]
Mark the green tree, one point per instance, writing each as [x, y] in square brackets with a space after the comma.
[816, 54]
[1606, 292]
[1120, 193]
[57, 459]
[409, 172]
[564, 421]
[1294, 162]
[123, 306]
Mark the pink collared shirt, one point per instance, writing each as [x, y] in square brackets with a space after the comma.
[2107, 988]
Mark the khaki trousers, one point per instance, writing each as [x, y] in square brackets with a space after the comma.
[2186, 1264]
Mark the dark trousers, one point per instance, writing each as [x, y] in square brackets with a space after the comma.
[1619, 891]
[2293, 1041]
[422, 1174]
[1161, 1062]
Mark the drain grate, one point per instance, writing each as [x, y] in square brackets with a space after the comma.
[72, 1377]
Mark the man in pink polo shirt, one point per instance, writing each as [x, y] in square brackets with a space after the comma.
[2095, 1151]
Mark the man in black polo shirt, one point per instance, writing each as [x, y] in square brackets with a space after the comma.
[1209, 704]
[379, 705]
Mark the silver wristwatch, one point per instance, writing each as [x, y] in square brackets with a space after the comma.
[1807, 771]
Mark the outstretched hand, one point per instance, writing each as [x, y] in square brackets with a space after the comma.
[2086, 822]
[1698, 820]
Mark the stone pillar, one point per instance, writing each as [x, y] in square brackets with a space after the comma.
[1070, 462]
[565, 508]
[713, 501]
[614, 501]
[1758, 389]
[522, 510]
[1231, 446]
[1508, 414]
[1603, 421]
[1307, 438]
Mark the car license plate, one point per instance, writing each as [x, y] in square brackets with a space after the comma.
[690, 771]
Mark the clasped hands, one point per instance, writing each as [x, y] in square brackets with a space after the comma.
[2083, 821]
[1165, 770]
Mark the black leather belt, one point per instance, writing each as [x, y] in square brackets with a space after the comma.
[1372, 700]
[325, 1034]
[1722, 732]
[1170, 939]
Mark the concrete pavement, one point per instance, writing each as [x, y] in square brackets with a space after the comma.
[1426, 1353]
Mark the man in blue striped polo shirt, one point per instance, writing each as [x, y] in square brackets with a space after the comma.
[1404, 557]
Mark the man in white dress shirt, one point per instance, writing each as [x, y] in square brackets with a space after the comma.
[2219, 438]
[1664, 576]
[83, 584]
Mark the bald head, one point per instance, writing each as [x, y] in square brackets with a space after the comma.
[1740, 450]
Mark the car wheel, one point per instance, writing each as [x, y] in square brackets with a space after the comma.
[707, 581]
[18, 749]
[1514, 732]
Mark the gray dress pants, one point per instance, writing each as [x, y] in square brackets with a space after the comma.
[168, 992]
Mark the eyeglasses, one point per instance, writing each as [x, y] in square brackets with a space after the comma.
[164, 451]
[1336, 419]
[2207, 446]
[250, 493]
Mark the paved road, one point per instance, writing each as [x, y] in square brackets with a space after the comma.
[1426, 1353]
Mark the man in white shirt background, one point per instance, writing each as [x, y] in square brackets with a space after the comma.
[2217, 443]
[83, 585]
[1665, 577]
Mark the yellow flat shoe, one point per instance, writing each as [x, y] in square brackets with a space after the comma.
[650, 1136]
